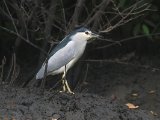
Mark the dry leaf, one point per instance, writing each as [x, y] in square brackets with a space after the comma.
[132, 106]
[153, 113]
[152, 91]
[135, 94]
[54, 119]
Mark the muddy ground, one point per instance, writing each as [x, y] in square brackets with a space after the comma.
[102, 95]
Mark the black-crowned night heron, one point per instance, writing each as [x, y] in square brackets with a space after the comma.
[65, 54]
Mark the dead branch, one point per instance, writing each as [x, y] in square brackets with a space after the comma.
[22, 38]
[127, 15]
[127, 39]
[123, 63]
[76, 14]
[2, 69]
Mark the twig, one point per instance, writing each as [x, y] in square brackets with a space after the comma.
[86, 73]
[127, 39]
[91, 16]
[123, 63]
[30, 43]
[2, 69]
[78, 85]
[15, 71]
[48, 25]
[11, 17]
[45, 72]
[45, 75]
[55, 85]
[125, 15]
[64, 16]
[101, 8]
[108, 40]
[10, 70]
[77, 12]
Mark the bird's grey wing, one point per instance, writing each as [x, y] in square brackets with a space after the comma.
[61, 57]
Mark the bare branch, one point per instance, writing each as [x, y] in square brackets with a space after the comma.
[127, 39]
[123, 63]
[127, 15]
[11, 17]
[14, 33]
[76, 14]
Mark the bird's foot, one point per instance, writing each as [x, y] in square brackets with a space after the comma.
[70, 92]
[66, 91]
[66, 87]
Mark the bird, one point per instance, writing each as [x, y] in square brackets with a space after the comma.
[66, 54]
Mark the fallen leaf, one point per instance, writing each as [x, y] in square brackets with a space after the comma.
[132, 106]
[135, 94]
[152, 91]
[153, 113]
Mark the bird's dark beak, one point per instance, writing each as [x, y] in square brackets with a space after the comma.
[94, 35]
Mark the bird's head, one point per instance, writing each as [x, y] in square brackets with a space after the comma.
[84, 34]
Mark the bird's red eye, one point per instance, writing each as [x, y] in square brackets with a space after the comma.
[86, 32]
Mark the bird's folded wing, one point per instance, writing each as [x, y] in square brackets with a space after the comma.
[61, 57]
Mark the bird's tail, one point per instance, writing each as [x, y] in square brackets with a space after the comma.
[40, 73]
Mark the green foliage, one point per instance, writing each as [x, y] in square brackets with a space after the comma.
[142, 28]
[147, 24]
[145, 29]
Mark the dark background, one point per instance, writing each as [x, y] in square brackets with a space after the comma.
[29, 28]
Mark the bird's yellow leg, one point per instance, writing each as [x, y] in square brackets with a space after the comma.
[68, 88]
[63, 82]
